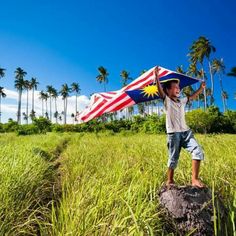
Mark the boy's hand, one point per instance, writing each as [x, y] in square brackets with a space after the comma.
[203, 85]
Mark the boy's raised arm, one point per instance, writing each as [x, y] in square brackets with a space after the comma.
[159, 87]
[195, 94]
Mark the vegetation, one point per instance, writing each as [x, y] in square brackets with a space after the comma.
[78, 185]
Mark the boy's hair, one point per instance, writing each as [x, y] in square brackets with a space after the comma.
[167, 85]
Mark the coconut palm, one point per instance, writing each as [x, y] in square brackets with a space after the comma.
[232, 72]
[219, 68]
[42, 97]
[201, 49]
[142, 72]
[2, 95]
[187, 91]
[75, 88]
[125, 77]
[50, 91]
[180, 69]
[65, 90]
[55, 96]
[193, 71]
[26, 87]
[141, 108]
[46, 96]
[103, 76]
[2, 72]
[226, 97]
[73, 117]
[33, 86]
[19, 85]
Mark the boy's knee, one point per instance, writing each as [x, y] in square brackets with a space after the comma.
[172, 163]
[198, 154]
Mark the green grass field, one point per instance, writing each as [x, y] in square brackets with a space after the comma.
[100, 184]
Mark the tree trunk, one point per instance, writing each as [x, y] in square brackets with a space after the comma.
[75, 104]
[32, 100]
[204, 91]
[42, 109]
[50, 108]
[222, 95]
[27, 106]
[212, 81]
[56, 110]
[19, 108]
[0, 109]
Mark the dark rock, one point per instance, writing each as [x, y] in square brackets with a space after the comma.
[191, 209]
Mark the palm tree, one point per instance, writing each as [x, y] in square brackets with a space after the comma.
[55, 96]
[232, 72]
[25, 116]
[42, 97]
[19, 85]
[2, 95]
[65, 90]
[56, 114]
[2, 72]
[125, 77]
[73, 117]
[193, 71]
[26, 86]
[33, 86]
[130, 111]
[226, 97]
[201, 49]
[141, 108]
[187, 91]
[219, 68]
[103, 76]
[75, 88]
[50, 91]
[179, 69]
[46, 96]
[142, 72]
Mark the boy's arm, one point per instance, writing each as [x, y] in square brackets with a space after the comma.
[196, 93]
[159, 87]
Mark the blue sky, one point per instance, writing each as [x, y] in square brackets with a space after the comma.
[66, 41]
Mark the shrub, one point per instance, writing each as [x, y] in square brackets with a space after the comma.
[27, 129]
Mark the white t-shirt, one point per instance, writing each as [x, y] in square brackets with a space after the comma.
[175, 114]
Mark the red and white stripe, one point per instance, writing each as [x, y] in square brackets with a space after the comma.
[116, 100]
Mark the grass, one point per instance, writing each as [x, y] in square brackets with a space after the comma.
[108, 182]
[25, 181]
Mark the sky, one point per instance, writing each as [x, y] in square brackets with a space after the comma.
[60, 42]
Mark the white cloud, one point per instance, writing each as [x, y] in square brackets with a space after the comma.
[9, 104]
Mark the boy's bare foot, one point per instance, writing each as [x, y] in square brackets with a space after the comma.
[197, 183]
[170, 183]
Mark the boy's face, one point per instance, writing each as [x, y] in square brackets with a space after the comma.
[174, 90]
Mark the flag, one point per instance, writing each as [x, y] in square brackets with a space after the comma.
[141, 89]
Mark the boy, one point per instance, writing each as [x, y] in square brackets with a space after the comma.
[178, 133]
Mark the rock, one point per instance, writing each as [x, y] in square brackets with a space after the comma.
[191, 209]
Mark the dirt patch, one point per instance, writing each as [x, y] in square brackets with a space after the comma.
[190, 209]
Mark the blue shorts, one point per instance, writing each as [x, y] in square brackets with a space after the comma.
[177, 140]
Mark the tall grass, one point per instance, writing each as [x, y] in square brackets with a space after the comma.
[110, 182]
[25, 178]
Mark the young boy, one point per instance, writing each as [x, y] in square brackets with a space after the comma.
[178, 133]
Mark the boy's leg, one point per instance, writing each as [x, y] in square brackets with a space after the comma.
[173, 144]
[170, 176]
[191, 145]
[195, 172]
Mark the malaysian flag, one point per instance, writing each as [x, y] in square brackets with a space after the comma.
[141, 89]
